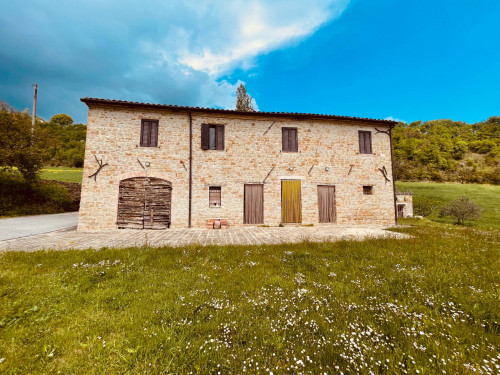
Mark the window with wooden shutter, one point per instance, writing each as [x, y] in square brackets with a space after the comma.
[205, 138]
[289, 140]
[212, 137]
[214, 196]
[149, 133]
[365, 142]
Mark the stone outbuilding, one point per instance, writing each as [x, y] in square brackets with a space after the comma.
[151, 166]
[404, 204]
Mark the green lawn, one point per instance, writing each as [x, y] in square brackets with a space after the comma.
[430, 303]
[487, 196]
[65, 174]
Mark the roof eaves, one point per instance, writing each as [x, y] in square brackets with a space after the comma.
[124, 103]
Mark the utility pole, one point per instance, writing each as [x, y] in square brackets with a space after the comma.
[35, 85]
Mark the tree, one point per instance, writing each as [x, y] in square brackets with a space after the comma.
[18, 149]
[61, 119]
[462, 209]
[243, 100]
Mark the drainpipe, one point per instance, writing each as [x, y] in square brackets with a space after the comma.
[191, 167]
[393, 179]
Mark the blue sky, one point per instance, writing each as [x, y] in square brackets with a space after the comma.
[408, 60]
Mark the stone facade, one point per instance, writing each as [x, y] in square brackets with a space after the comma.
[328, 154]
[404, 204]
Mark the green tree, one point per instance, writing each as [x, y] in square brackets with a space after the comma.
[462, 209]
[61, 119]
[243, 100]
[19, 148]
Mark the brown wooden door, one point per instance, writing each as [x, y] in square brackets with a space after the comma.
[291, 202]
[326, 204]
[254, 204]
[157, 204]
[144, 203]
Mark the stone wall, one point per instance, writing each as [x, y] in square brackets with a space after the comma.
[328, 155]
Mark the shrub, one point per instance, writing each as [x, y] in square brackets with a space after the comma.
[462, 209]
[20, 197]
[424, 206]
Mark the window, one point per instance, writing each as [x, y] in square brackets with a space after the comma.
[212, 137]
[214, 196]
[365, 142]
[367, 190]
[149, 133]
[289, 139]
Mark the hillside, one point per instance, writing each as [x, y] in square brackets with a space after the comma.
[445, 150]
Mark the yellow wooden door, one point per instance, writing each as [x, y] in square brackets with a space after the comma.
[291, 205]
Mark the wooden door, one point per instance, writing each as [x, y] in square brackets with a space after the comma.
[326, 203]
[157, 204]
[291, 202]
[144, 203]
[254, 204]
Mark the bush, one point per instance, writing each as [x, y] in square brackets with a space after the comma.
[424, 206]
[462, 209]
[20, 197]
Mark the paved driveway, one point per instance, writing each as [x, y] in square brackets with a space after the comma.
[181, 237]
[30, 225]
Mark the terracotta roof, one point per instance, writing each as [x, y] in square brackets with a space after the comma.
[124, 103]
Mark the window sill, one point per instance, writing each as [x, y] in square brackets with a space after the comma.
[214, 206]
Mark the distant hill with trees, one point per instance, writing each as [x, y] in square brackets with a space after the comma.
[445, 150]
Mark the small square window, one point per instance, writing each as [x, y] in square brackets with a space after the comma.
[367, 190]
[214, 196]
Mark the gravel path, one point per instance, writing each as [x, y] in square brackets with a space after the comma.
[71, 239]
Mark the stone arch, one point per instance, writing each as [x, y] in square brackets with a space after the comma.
[144, 173]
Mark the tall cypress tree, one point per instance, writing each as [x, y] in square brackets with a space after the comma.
[243, 100]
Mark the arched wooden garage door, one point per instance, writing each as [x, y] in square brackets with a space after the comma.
[144, 203]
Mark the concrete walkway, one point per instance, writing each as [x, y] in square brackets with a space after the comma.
[31, 225]
[181, 237]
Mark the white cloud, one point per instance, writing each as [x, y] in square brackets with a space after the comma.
[390, 118]
[173, 52]
[232, 33]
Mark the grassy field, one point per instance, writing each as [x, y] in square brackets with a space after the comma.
[425, 305]
[65, 174]
[487, 196]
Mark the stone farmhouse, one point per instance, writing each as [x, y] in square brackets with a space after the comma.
[151, 166]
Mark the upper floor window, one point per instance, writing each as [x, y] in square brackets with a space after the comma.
[212, 137]
[149, 133]
[289, 139]
[365, 142]
[368, 190]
